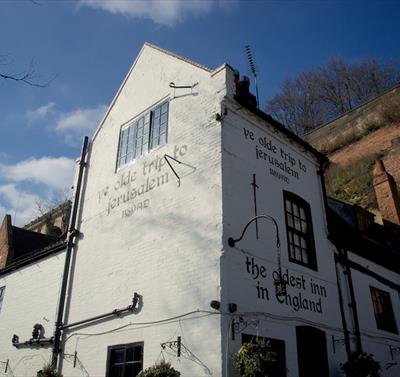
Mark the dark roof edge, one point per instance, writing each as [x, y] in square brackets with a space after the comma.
[33, 257]
[186, 60]
[280, 127]
[354, 108]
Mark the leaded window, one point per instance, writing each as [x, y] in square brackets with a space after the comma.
[299, 230]
[145, 133]
[383, 310]
[125, 360]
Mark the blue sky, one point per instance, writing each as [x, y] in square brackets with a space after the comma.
[84, 48]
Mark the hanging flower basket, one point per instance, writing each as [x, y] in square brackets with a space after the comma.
[255, 359]
[361, 365]
[48, 371]
[162, 369]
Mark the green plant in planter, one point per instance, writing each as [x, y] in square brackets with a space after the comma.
[361, 365]
[162, 369]
[255, 359]
[48, 371]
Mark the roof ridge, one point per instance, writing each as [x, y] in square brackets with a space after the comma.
[179, 57]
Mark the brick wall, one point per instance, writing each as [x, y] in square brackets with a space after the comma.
[6, 247]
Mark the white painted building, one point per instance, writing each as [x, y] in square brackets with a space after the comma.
[180, 164]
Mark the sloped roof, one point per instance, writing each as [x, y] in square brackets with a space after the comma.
[378, 243]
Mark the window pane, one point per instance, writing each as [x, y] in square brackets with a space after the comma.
[137, 368]
[297, 253]
[138, 353]
[297, 224]
[116, 371]
[296, 210]
[164, 108]
[304, 256]
[164, 118]
[163, 139]
[291, 251]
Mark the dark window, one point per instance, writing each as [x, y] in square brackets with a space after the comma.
[125, 360]
[144, 134]
[299, 230]
[278, 346]
[383, 310]
[2, 291]
[312, 355]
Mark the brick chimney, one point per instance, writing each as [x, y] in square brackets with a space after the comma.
[6, 242]
[386, 193]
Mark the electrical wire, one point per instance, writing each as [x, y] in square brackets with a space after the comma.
[140, 325]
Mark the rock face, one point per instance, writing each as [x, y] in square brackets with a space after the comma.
[355, 141]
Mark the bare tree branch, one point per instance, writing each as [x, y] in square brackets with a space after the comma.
[27, 77]
[316, 97]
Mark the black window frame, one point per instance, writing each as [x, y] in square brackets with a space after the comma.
[384, 317]
[144, 133]
[124, 347]
[292, 231]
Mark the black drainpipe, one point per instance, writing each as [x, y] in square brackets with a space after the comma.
[323, 165]
[70, 244]
[353, 303]
[342, 312]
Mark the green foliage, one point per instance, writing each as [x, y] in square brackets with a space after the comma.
[390, 111]
[361, 365]
[162, 369]
[373, 126]
[255, 359]
[353, 183]
[48, 371]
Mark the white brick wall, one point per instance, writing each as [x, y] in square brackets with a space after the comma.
[30, 297]
[243, 136]
[169, 252]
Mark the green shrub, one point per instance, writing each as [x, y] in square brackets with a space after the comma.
[373, 126]
[353, 183]
[255, 359]
[162, 369]
[361, 365]
[390, 111]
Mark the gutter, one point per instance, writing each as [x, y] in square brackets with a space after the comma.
[33, 257]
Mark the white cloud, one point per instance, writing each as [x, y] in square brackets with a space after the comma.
[56, 173]
[41, 112]
[164, 12]
[75, 124]
[21, 205]
[46, 180]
